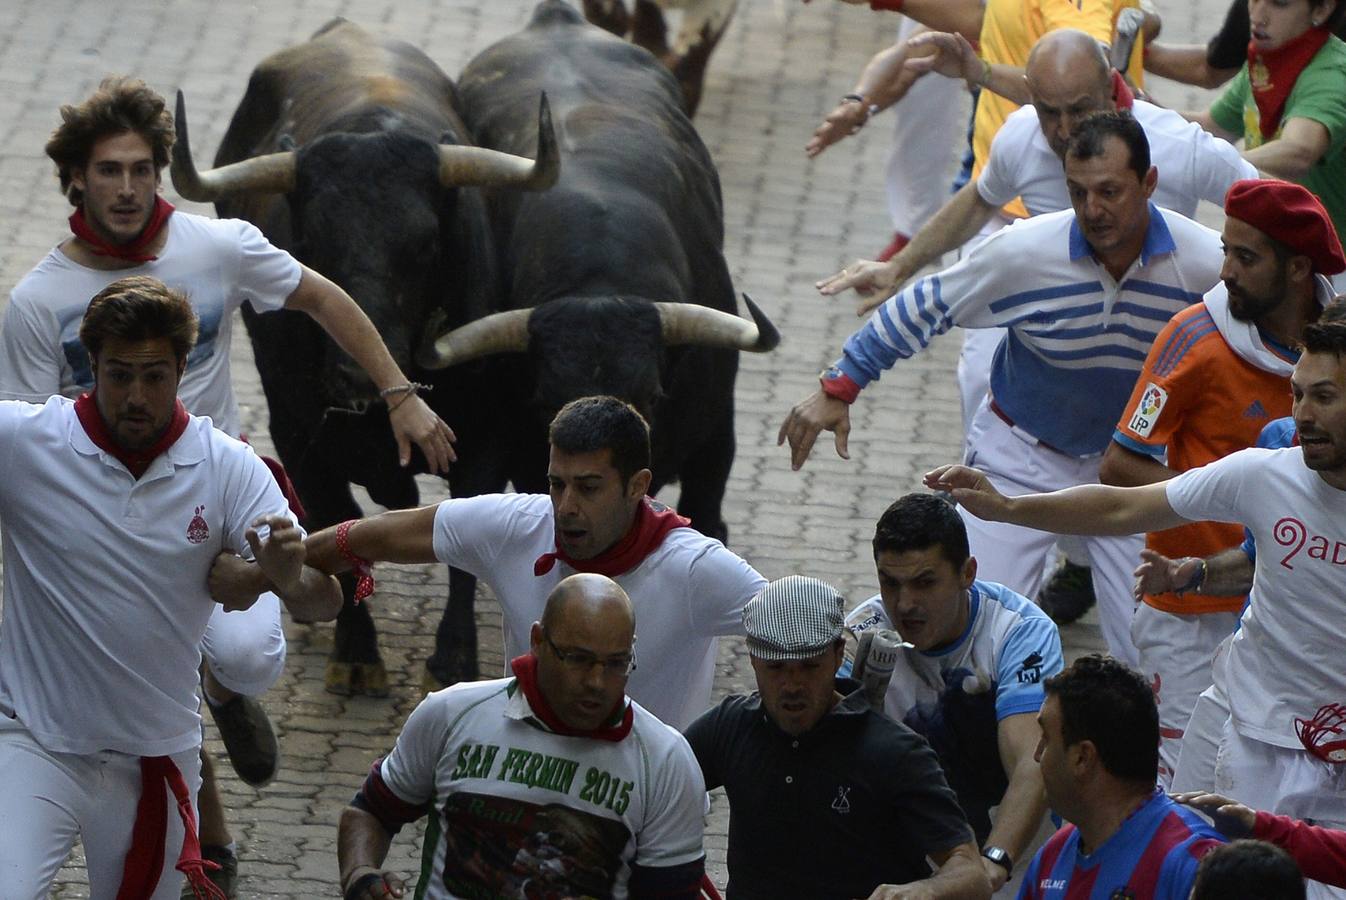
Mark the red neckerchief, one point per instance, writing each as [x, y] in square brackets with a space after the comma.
[133, 251]
[619, 723]
[136, 461]
[1272, 75]
[1122, 95]
[145, 859]
[653, 522]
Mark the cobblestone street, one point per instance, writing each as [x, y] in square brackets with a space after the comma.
[788, 222]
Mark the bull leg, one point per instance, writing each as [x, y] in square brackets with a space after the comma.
[704, 22]
[455, 656]
[649, 30]
[609, 15]
[703, 475]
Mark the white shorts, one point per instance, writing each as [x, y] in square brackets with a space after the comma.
[1175, 655]
[1017, 557]
[59, 797]
[1284, 780]
[246, 650]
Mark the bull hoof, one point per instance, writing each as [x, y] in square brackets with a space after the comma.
[373, 679]
[339, 678]
[429, 683]
[347, 679]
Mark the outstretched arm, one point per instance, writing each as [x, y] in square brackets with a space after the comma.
[1083, 509]
[956, 223]
[347, 324]
[399, 536]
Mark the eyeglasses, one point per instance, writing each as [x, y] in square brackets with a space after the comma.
[582, 662]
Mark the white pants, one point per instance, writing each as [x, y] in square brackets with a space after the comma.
[1016, 556]
[1175, 657]
[50, 799]
[974, 369]
[1284, 780]
[928, 128]
[246, 650]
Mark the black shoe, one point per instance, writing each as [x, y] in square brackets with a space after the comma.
[1068, 594]
[249, 739]
[225, 877]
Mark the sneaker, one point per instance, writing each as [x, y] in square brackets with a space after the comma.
[900, 240]
[249, 739]
[1068, 594]
[225, 877]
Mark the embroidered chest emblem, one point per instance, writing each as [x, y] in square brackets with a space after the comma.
[842, 804]
[198, 532]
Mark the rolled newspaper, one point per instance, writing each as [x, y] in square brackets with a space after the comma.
[875, 656]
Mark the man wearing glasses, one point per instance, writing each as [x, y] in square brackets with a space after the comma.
[686, 588]
[550, 783]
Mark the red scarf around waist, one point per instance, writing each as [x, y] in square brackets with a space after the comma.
[1272, 75]
[653, 522]
[136, 461]
[131, 252]
[619, 723]
[149, 835]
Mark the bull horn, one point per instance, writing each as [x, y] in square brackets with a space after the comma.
[503, 332]
[688, 323]
[270, 174]
[461, 166]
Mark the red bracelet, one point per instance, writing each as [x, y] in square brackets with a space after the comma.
[364, 584]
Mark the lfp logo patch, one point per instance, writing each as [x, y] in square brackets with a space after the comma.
[1147, 410]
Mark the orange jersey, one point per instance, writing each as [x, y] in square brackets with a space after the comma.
[1199, 401]
[1009, 29]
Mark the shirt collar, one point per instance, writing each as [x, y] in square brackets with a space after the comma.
[187, 450]
[1158, 239]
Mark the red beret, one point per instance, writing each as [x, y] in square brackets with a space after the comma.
[1291, 214]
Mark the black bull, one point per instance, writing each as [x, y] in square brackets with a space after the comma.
[380, 196]
[616, 281]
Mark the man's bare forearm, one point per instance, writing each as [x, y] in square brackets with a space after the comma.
[1095, 509]
[1228, 573]
[317, 597]
[956, 223]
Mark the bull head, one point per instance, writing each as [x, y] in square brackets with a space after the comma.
[681, 324]
[459, 166]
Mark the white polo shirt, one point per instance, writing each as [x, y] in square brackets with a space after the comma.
[105, 577]
[218, 263]
[535, 813]
[685, 593]
[1193, 164]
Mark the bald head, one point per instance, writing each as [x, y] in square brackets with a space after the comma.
[1069, 78]
[586, 600]
[1068, 54]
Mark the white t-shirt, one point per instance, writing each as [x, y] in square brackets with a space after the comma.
[105, 577]
[219, 263]
[528, 810]
[685, 593]
[1286, 660]
[1193, 164]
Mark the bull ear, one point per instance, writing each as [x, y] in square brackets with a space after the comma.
[286, 143]
[691, 324]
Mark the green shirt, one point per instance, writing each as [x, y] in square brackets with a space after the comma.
[1319, 94]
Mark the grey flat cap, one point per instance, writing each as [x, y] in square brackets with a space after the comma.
[793, 618]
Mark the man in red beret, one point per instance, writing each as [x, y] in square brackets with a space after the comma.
[1216, 375]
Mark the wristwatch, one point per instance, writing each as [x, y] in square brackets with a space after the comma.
[1000, 857]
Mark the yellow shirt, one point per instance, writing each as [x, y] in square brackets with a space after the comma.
[1009, 29]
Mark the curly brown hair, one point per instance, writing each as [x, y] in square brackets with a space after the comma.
[120, 104]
